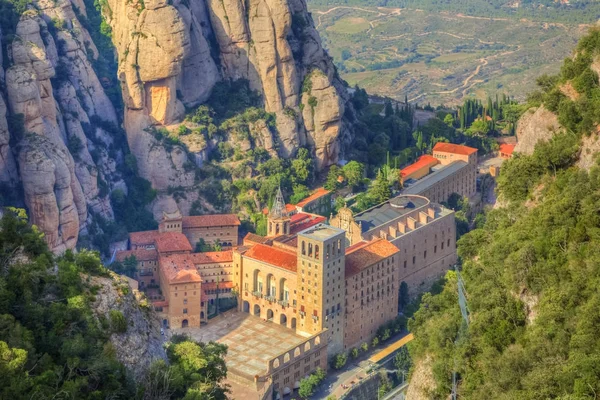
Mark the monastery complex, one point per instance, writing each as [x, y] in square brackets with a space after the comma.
[329, 282]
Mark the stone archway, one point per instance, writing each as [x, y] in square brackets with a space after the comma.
[256, 310]
[283, 319]
[184, 323]
[246, 307]
[270, 315]
[293, 323]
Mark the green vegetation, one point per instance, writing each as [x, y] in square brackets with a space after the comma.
[309, 384]
[530, 270]
[430, 55]
[339, 361]
[51, 341]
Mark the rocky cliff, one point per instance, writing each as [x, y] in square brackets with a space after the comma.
[172, 54]
[63, 130]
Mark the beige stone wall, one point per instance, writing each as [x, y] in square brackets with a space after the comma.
[147, 273]
[290, 367]
[462, 182]
[321, 288]
[182, 296]
[371, 301]
[223, 272]
[225, 234]
[426, 253]
[253, 273]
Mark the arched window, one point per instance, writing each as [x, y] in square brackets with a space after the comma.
[339, 246]
[277, 229]
[303, 248]
[310, 248]
[317, 251]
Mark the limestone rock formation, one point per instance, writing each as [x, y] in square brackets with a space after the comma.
[142, 343]
[535, 125]
[422, 382]
[172, 55]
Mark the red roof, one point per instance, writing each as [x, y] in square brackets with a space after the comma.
[142, 238]
[168, 242]
[274, 256]
[423, 161]
[320, 192]
[179, 269]
[302, 221]
[213, 285]
[254, 238]
[361, 257]
[160, 303]
[289, 208]
[140, 254]
[454, 148]
[507, 148]
[204, 221]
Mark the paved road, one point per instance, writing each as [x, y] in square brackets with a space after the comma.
[333, 383]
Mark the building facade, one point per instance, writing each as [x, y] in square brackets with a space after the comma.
[424, 233]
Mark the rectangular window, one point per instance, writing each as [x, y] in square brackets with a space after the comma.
[185, 310]
[414, 259]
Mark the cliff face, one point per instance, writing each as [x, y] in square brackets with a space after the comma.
[52, 92]
[170, 57]
[60, 132]
[535, 125]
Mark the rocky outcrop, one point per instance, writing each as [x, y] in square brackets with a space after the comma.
[141, 343]
[172, 55]
[422, 383]
[535, 125]
[53, 93]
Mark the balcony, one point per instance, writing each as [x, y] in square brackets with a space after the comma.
[257, 294]
[271, 298]
[283, 303]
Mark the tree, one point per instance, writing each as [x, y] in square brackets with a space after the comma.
[339, 361]
[389, 110]
[354, 352]
[381, 191]
[364, 346]
[309, 384]
[354, 173]
[130, 265]
[375, 342]
[402, 360]
[403, 298]
[332, 178]
[449, 120]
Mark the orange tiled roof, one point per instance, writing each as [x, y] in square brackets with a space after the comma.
[302, 221]
[360, 257]
[167, 242]
[254, 238]
[274, 256]
[320, 192]
[507, 148]
[202, 221]
[179, 270]
[289, 208]
[454, 148]
[190, 260]
[423, 161]
[141, 238]
[160, 303]
[140, 254]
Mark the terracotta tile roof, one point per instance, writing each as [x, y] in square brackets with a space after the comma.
[140, 254]
[423, 161]
[253, 238]
[273, 256]
[202, 221]
[160, 303]
[190, 261]
[141, 238]
[289, 208]
[179, 269]
[302, 221]
[507, 148]
[320, 192]
[360, 257]
[167, 242]
[454, 148]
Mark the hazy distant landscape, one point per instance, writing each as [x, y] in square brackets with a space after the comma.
[440, 56]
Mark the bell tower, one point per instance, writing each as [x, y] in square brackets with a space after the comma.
[278, 220]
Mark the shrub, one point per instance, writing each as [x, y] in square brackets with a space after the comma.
[118, 323]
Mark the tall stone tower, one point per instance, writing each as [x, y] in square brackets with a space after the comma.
[321, 284]
[278, 220]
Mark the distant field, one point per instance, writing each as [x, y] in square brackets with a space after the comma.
[440, 57]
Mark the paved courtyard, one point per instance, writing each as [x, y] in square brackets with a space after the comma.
[251, 340]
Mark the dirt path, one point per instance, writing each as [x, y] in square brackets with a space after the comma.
[321, 13]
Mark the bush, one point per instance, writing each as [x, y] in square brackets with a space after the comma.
[118, 323]
[339, 361]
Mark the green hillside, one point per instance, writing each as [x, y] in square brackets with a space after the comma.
[532, 271]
